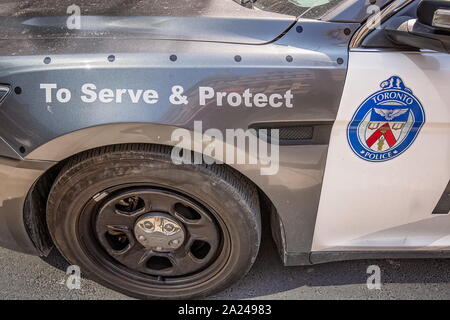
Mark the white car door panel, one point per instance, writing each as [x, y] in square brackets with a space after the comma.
[368, 203]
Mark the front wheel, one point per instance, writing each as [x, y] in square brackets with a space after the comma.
[137, 223]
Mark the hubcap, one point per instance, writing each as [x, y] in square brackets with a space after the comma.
[159, 232]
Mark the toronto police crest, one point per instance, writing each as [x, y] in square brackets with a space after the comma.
[386, 123]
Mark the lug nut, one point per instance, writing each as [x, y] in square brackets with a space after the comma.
[168, 227]
[142, 238]
[174, 243]
[148, 225]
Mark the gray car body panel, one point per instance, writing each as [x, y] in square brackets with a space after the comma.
[41, 131]
[17, 177]
[203, 20]
[238, 29]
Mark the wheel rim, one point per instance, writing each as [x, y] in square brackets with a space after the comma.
[124, 214]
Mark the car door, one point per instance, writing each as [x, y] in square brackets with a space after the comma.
[386, 182]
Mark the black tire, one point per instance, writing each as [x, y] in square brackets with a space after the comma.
[226, 197]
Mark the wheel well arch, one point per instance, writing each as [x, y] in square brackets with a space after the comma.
[34, 214]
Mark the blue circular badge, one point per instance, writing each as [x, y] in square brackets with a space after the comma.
[386, 123]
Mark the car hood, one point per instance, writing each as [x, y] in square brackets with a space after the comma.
[200, 20]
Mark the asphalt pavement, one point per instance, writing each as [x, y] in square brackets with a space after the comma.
[28, 277]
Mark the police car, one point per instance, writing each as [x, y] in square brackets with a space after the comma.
[352, 97]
